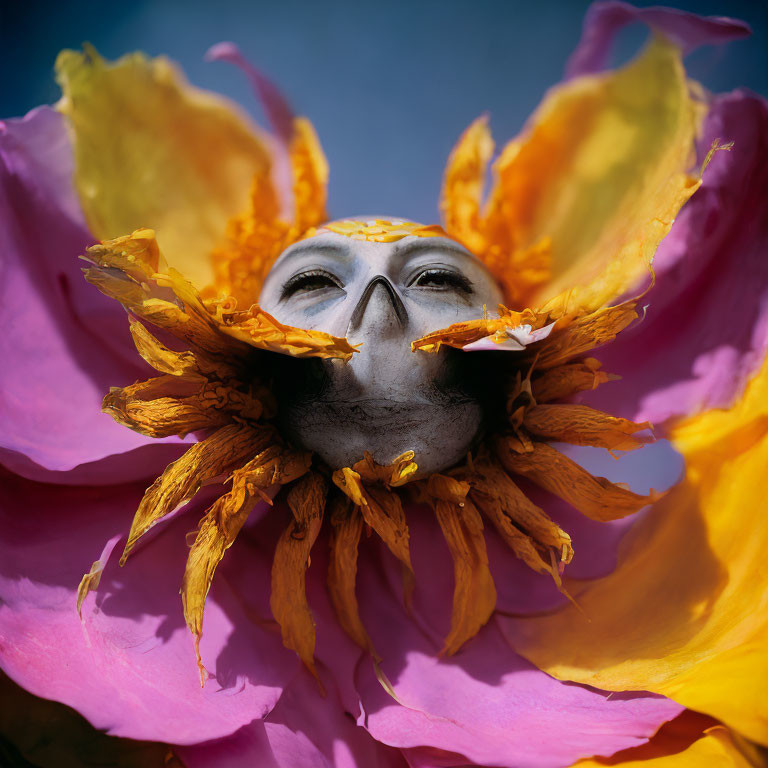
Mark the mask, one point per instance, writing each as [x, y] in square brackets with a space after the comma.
[382, 295]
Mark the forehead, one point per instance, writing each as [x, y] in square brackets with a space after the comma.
[376, 241]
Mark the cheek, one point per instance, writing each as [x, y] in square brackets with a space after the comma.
[331, 316]
[431, 313]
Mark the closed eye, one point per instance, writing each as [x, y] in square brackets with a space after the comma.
[309, 281]
[442, 280]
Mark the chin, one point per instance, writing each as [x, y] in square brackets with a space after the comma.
[440, 415]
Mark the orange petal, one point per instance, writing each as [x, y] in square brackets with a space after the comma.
[582, 425]
[342, 569]
[499, 494]
[566, 380]
[223, 521]
[594, 497]
[217, 455]
[577, 337]
[474, 594]
[170, 301]
[462, 193]
[289, 598]
[310, 177]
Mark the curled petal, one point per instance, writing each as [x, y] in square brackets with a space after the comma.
[688, 30]
[170, 301]
[582, 425]
[219, 527]
[289, 599]
[217, 455]
[516, 516]
[595, 497]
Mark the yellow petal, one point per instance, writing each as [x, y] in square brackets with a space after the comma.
[685, 614]
[716, 748]
[289, 598]
[594, 497]
[178, 405]
[600, 173]
[217, 455]
[150, 150]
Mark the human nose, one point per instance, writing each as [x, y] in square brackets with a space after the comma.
[380, 309]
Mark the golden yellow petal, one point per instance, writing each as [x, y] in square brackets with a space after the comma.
[600, 172]
[289, 598]
[223, 521]
[582, 425]
[595, 497]
[342, 568]
[474, 594]
[310, 177]
[716, 748]
[463, 183]
[566, 380]
[686, 610]
[213, 457]
[178, 405]
[151, 149]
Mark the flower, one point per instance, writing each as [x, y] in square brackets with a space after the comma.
[620, 145]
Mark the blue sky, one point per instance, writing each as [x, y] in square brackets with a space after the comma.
[389, 86]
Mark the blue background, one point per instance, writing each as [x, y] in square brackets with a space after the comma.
[389, 85]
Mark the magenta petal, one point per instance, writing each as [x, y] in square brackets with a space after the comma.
[688, 30]
[486, 705]
[62, 343]
[304, 730]
[129, 666]
[706, 327]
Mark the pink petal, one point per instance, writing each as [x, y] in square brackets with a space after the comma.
[304, 730]
[129, 666]
[62, 344]
[706, 328]
[688, 30]
[486, 705]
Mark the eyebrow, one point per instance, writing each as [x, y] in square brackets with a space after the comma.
[329, 249]
[431, 244]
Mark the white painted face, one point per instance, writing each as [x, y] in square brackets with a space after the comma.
[387, 399]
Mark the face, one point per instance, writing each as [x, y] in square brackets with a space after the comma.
[387, 399]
